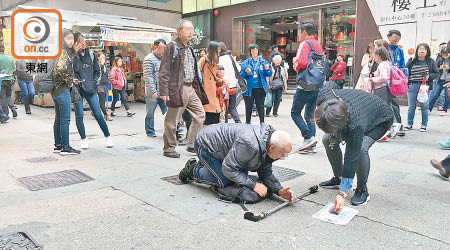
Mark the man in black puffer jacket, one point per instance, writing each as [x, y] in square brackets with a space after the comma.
[359, 119]
[227, 152]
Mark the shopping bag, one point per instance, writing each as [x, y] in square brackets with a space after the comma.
[422, 97]
[268, 101]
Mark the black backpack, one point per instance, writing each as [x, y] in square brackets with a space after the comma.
[314, 75]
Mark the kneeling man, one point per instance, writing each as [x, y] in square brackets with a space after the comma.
[227, 152]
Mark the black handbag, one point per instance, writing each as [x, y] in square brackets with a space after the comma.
[242, 83]
[75, 95]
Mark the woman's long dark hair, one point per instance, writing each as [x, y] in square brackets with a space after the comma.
[428, 56]
[213, 55]
[70, 51]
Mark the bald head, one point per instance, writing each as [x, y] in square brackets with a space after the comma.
[280, 145]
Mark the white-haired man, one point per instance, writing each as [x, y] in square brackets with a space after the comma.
[227, 152]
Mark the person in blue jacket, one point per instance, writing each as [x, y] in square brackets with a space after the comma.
[398, 56]
[255, 70]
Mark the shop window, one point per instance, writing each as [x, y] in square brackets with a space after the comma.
[220, 3]
[339, 30]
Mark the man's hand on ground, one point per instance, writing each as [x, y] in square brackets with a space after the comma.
[260, 189]
[287, 194]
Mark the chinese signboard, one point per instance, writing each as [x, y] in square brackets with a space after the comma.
[418, 20]
[128, 36]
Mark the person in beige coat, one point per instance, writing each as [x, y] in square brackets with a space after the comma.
[366, 65]
[209, 67]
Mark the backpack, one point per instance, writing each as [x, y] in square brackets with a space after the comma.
[399, 82]
[314, 75]
[43, 81]
[175, 54]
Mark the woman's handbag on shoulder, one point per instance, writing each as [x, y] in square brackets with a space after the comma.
[242, 83]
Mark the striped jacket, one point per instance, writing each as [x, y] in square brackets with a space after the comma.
[151, 66]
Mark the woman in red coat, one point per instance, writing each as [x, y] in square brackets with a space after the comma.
[119, 85]
[338, 69]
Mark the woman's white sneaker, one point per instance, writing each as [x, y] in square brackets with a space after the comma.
[84, 144]
[109, 142]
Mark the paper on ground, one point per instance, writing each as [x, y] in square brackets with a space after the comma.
[342, 218]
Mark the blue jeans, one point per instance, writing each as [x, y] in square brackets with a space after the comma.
[209, 169]
[150, 106]
[92, 100]
[27, 89]
[305, 99]
[62, 118]
[413, 91]
[437, 93]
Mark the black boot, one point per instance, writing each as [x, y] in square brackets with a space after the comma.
[26, 102]
[14, 111]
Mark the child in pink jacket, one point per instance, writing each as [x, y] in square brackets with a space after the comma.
[381, 77]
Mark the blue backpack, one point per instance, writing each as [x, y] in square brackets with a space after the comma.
[314, 75]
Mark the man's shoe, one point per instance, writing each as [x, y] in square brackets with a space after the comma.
[423, 129]
[151, 134]
[4, 118]
[113, 114]
[401, 132]
[444, 144]
[109, 142]
[438, 165]
[70, 151]
[275, 115]
[311, 150]
[267, 115]
[308, 143]
[190, 150]
[187, 173]
[84, 144]
[57, 149]
[333, 183]
[14, 112]
[254, 114]
[130, 114]
[361, 196]
[183, 142]
[173, 154]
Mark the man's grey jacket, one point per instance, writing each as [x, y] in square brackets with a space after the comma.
[241, 147]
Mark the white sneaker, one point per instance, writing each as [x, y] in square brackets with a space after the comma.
[395, 129]
[308, 143]
[84, 144]
[109, 142]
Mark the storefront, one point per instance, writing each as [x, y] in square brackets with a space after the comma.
[336, 30]
[267, 23]
[203, 22]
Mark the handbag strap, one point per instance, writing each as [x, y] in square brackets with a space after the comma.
[236, 73]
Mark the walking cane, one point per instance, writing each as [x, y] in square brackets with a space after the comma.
[251, 217]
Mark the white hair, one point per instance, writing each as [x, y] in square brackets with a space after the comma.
[181, 23]
[280, 139]
[277, 58]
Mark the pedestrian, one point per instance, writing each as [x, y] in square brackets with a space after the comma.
[102, 85]
[277, 83]
[227, 152]
[119, 86]
[63, 78]
[381, 78]
[441, 46]
[443, 64]
[304, 98]
[397, 54]
[255, 70]
[209, 67]
[7, 67]
[422, 68]
[274, 52]
[366, 64]
[202, 53]
[339, 67]
[359, 119]
[442, 166]
[152, 63]
[231, 70]
[25, 81]
[180, 88]
[223, 94]
[291, 50]
[87, 71]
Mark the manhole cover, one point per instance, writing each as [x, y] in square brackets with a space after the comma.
[41, 159]
[17, 241]
[140, 148]
[54, 180]
[173, 179]
[282, 174]
[286, 174]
